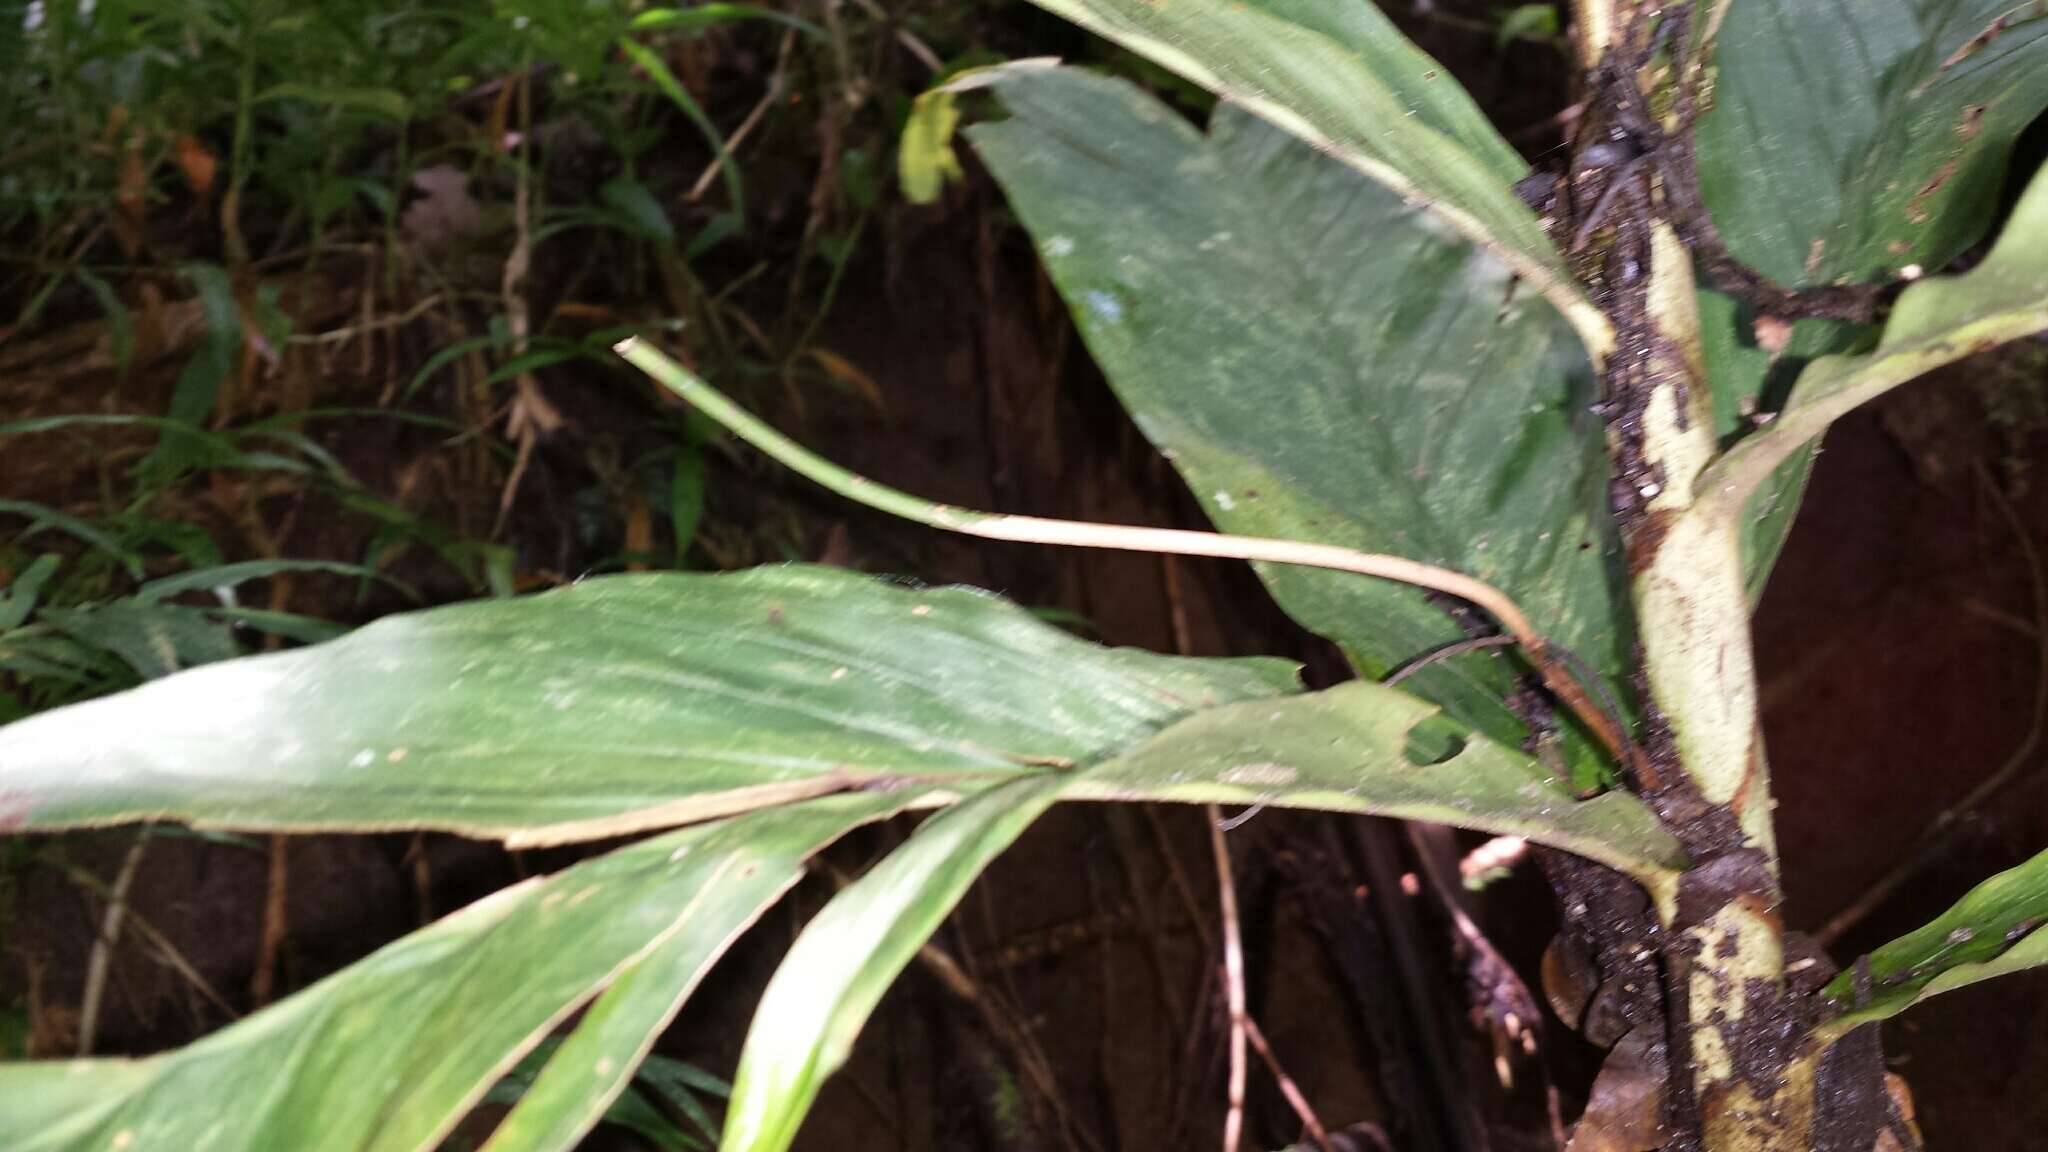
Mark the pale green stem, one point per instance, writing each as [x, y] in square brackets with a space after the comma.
[1173, 541]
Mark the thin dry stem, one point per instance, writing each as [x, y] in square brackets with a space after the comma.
[101, 960]
[1295, 1100]
[777, 81]
[1547, 659]
[1233, 981]
[263, 981]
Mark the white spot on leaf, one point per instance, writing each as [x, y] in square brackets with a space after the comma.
[1263, 775]
[1104, 306]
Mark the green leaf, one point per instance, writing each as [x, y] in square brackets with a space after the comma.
[1359, 747]
[18, 599]
[42, 516]
[924, 157]
[1537, 22]
[637, 207]
[1344, 79]
[850, 953]
[699, 18]
[678, 1083]
[381, 101]
[1324, 362]
[616, 705]
[1362, 747]
[183, 445]
[388, 1054]
[1935, 322]
[632, 1110]
[241, 572]
[1846, 141]
[1995, 929]
[155, 640]
[286, 625]
[446, 356]
[685, 497]
[590, 1070]
[1737, 372]
[665, 81]
[120, 325]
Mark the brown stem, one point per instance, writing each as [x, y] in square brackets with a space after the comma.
[1233, 980]
[101, 960]
[1295, 1099]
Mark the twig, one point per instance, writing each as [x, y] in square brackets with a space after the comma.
[1288, 1088]
[351, 331]
[1233, 980]
[1242, 818]
[1132, 538]
[531, 413]
[905, 37]
[423, 876]
[1935, 835]
[167, 951]
[101, 960]
[1444, 653]
[776, 81]
[276, 889]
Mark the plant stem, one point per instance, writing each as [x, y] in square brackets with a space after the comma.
[100, 962]
[1233, 978]
[1132, 538]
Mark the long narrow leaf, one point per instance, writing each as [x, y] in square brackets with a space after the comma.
[850, 953]
[651, 63]
[617, 705]
[192, 400]
[229, 575]
[388, 1054]
[42, 516]
[1998, 927]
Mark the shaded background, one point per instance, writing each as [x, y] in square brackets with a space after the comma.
[1900, 641]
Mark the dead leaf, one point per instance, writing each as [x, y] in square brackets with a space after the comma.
[1568, 980]
[1626, 1110]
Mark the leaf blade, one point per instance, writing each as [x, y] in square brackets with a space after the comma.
[1346, 749]
[422, 1028]
[1996, 929]
[619, 704]
[817, 1000]
[1344, 79]
[1937, 321]
[1393, 404]
[1850, 143]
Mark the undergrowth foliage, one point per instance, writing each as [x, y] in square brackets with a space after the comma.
[1522, 443]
